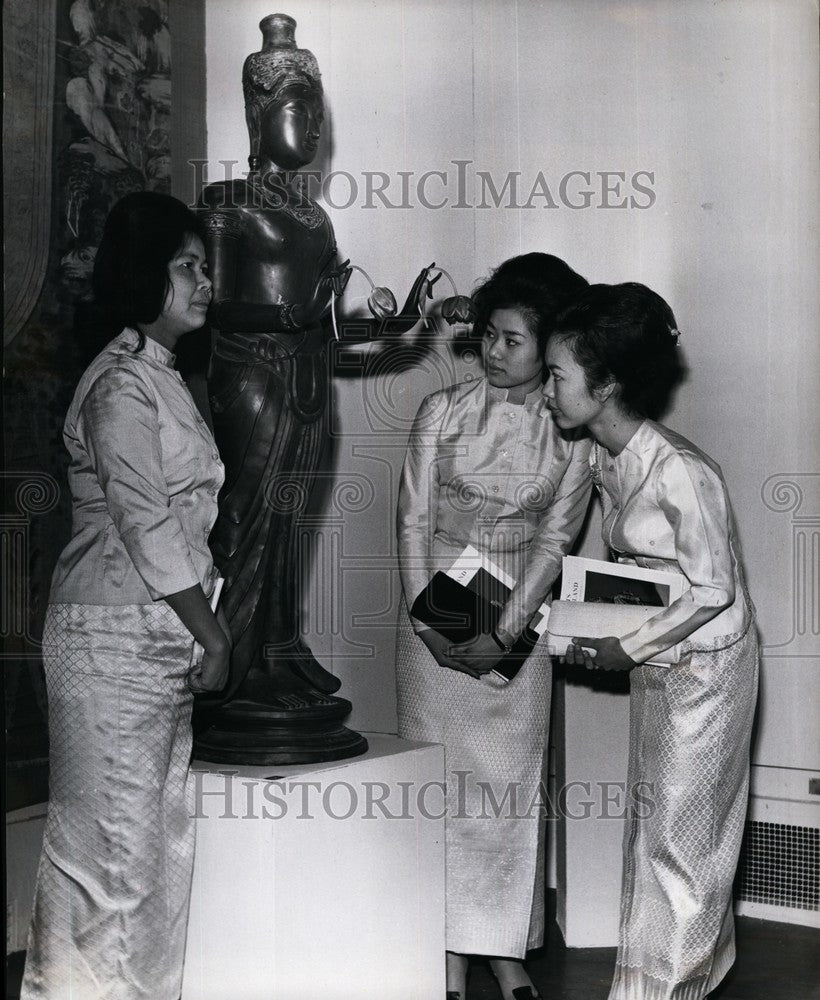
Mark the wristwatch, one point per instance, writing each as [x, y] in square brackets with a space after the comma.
[502, 645]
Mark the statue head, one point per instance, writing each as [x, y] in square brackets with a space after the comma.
[282, 82]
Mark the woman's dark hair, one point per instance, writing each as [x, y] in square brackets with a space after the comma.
[143, 232]
[625, 334]
[537, 284]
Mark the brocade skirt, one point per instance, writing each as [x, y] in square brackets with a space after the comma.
[495, 744]
[690, 727]
[113, 885]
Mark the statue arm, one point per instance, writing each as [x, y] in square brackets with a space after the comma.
[367, 328]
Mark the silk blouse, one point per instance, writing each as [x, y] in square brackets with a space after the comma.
[496, 475]
[144, 476]
[666, 507]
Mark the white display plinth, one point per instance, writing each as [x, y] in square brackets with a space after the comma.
[321, 879]
[591, 734]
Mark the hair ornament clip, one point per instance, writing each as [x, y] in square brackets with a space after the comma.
[674, 332]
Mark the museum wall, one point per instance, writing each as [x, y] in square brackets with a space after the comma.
[695, 126]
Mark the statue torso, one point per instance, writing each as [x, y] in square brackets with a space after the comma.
[282, 244]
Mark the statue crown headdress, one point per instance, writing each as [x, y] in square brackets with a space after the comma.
[279, 64]
[266, 73]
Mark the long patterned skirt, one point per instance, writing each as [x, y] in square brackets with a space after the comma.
[690, 727]
[113, 886]
[495, 740]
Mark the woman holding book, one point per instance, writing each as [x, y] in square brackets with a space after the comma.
[128, 599]
[613, 361]
[487, 468]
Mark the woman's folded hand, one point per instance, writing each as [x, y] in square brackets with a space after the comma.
[211, 673]
[478, 656]
[440, 647]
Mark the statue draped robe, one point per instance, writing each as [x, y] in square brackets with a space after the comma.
[268, 391]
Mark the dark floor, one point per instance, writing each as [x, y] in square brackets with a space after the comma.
[775, 962]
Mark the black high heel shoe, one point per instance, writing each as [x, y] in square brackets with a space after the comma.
[453, 995]
[525, 993]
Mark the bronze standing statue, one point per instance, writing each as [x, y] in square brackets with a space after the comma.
[274, 263]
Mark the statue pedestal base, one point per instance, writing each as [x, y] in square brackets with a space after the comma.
[298, 729]
[320, 881]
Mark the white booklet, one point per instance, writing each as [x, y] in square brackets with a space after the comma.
[471, 562]
[612, 599]
[597, 581]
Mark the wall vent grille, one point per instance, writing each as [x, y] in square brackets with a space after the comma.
[780, 866]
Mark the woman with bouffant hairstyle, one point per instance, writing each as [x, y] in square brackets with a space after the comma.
[486, 467]
[613, 361]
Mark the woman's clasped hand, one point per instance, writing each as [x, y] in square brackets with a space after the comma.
[209, 674]
[476, 657]
[601, 654]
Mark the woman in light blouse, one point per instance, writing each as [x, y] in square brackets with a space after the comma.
[613, 360]
[487, 467]
[129, 596]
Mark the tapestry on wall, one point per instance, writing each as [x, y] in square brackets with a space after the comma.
[88, 105]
